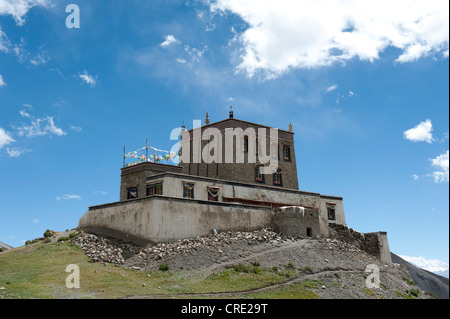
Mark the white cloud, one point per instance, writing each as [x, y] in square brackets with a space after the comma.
[5, 138]
[433, 265]
[4, 42]
[416, 177]
[19, 8]
[196, 54]
[38, 127]
[88, 79]
[442, 163]
[76, 128]
[36, 221]
[420, 133]
[2, 82]
[332, 88]
[170, 39]
[16, 151]
[287, 34]
[69, 197]
[180, 60]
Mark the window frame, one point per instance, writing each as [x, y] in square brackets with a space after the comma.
[280, 179]
[129, 190]
[331, 212]
[287, 155]
[153, 187]
[188, 190]
[259, 177]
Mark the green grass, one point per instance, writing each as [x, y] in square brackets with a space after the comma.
[294, 291]
[38, 271]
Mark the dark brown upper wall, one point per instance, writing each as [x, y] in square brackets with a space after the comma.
[235, 123]
[242, 172]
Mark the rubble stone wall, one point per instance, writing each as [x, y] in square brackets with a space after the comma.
[295, 221]
[375, 244]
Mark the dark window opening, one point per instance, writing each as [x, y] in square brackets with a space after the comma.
[309, 232]
[188, 191]
[277, 178]
[331, 213]
[245, 148]
[132, 193]
[287, 153]
[259, 177]
[213, 194]
[155, 189]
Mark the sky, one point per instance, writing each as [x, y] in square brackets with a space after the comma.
[364, 84]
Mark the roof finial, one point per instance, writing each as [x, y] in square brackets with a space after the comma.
[207, 119]
[290, 127]
[231, 112]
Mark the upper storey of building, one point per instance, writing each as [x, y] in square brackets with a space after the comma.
[240, 151]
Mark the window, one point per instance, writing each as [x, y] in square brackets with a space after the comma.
[132, 193]
[245, 148]
[258, 176]
[287, 153]
[155, 189]
[188, 190]
[213, 194]
[331, 212]
[277, 178]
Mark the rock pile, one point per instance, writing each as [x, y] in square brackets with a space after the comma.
[186, 246]
[105, 251]
[102, 250]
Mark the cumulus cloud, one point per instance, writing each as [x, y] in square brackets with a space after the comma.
[19, 8]
[420, 133]
[2, 82]
[5, 138]
[287, 34]
[441, 162]
[88, 79]
[170, 39]
[433, 265]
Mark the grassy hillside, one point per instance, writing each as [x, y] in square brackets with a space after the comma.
[38, 271]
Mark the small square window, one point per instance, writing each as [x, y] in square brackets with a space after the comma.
[132, 193]
[155, 189]
[188, 190]
[213, 194]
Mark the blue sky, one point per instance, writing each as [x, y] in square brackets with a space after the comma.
[365, 86]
